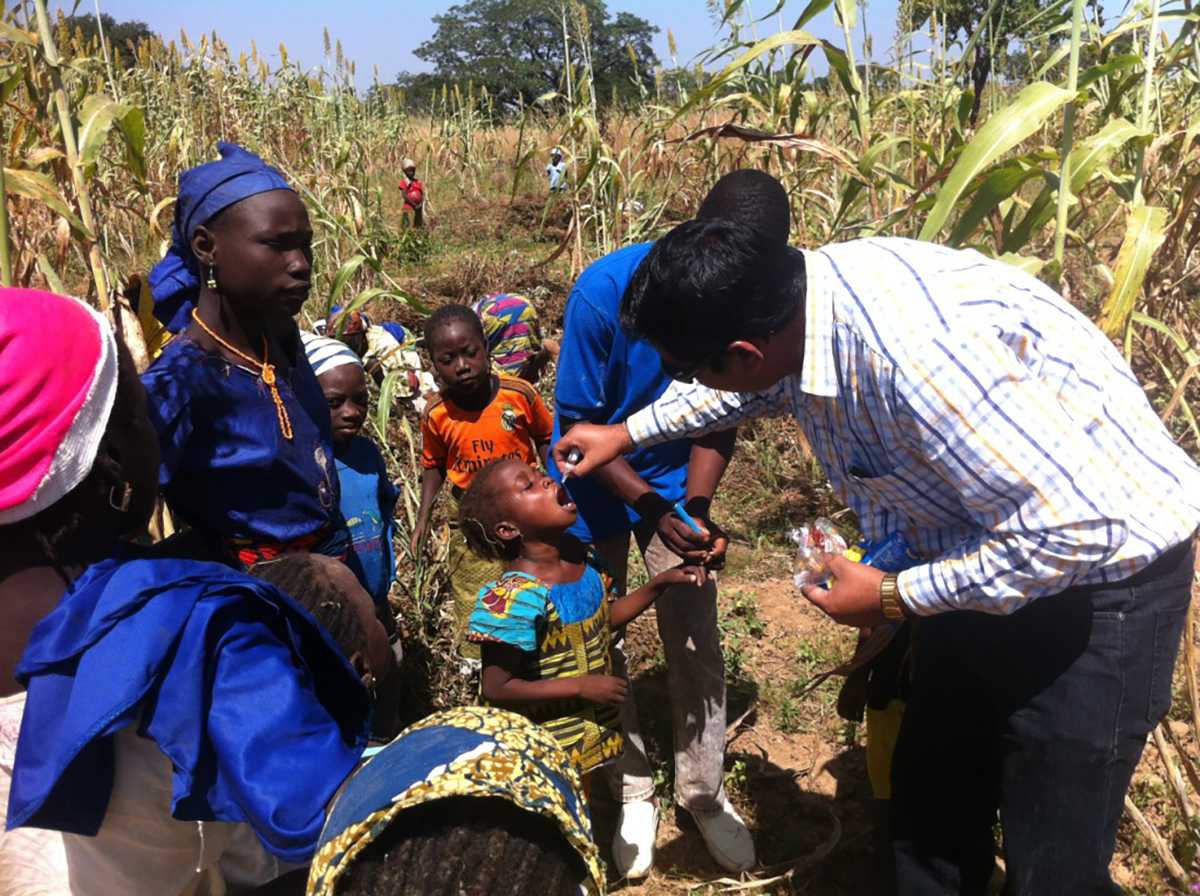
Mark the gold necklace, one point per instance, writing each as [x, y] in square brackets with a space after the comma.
[266, 372]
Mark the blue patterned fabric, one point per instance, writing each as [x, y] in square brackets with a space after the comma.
[512, 610]
[226, 468]
[260, 714]
[203, 191]
[369, 507]
[471, 751]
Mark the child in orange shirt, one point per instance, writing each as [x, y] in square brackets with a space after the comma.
[477, 418]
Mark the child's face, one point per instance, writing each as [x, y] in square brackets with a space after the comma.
[532, 502]
[345, 389]
[460, 359]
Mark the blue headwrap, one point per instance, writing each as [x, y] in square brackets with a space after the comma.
[203, 191]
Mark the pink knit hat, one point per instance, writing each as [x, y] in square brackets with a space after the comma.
[58, 381]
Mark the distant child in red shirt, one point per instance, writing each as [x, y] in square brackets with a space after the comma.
[414, 194]
[478, 417]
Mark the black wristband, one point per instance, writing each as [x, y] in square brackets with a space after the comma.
[652, 507]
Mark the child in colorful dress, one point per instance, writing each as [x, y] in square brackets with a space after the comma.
[479, 417]
[546, 624]
[514, 335]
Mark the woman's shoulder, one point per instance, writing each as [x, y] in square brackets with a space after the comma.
[183, 371]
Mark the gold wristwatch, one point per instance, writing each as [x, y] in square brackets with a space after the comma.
[889, 598]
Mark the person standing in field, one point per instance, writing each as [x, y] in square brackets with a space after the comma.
[244, 432]
[964, 403]
[556, 171]
[477, 418]
[414, 194]
[604, 375]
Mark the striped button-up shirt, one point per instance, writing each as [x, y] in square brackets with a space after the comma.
[965, 404]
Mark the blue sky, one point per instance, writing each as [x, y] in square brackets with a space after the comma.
[384, 33]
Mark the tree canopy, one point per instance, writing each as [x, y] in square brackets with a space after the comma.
[514, 48]
[122, 37]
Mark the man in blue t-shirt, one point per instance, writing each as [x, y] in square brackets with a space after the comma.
[603, 377]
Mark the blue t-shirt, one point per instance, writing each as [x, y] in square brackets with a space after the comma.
[227, 470]
[605, 375]
[369, 505]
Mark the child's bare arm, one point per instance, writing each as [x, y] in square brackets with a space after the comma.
[504, 687]
[543, 450]
[631, 606]
[432, 479]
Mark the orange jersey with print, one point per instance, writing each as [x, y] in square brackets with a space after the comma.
[463, 442]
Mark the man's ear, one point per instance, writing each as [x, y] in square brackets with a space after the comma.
[743, 355]
[204, 245]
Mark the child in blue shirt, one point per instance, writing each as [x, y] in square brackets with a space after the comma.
[368, 496]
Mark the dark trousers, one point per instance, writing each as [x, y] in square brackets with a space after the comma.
[1041, 715]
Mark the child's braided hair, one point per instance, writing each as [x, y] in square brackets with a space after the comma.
[481, 846]
[303, 578]
[479, 510]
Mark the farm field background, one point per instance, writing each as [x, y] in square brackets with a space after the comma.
[1109, 110]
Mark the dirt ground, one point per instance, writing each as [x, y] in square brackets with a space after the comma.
[804, 794]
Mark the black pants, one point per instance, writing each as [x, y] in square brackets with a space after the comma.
[1041, 715]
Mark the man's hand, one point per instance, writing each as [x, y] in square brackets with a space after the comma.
[689, 546]
[418, 539]
[586, 446]
[854, 597]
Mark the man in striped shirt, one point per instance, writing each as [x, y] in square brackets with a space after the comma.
[967, 405]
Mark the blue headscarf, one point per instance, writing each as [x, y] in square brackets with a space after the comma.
[203, 191]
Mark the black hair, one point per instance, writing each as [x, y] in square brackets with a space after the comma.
[479, 512]
[60, 529]
[305, 579]
[448, 314]
[753, 198]
[466, 846]
[711, 282]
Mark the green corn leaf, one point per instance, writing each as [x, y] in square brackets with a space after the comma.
[996, 187]
[383, 410]
[345, 272]
[814, 9]
[97, 116]
[1144, 233]
[1029, 265]
[1003, 131]
[52, 279]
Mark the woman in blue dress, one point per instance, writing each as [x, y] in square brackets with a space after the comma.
[247, 453]
[184, 725]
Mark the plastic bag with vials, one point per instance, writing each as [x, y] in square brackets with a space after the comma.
[813, 543]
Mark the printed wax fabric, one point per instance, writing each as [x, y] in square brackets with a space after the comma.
[563, 631]
[470, 751]
[510, 325]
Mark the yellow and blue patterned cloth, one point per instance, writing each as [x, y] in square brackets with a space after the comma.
[470, 751]
[563, 631]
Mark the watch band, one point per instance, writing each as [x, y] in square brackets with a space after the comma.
[889, 598]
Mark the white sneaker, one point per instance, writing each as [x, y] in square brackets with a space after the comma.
[633, 844]
[726, 836]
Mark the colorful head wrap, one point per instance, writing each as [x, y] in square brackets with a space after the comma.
[58, 381]
[203, 191]
[470, 751]
[325, 354]
[510, 325]
[345, 323]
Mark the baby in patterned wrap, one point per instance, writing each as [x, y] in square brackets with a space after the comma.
[545, 626]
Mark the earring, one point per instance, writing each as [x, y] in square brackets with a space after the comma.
[121, 504]
[211, 283]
